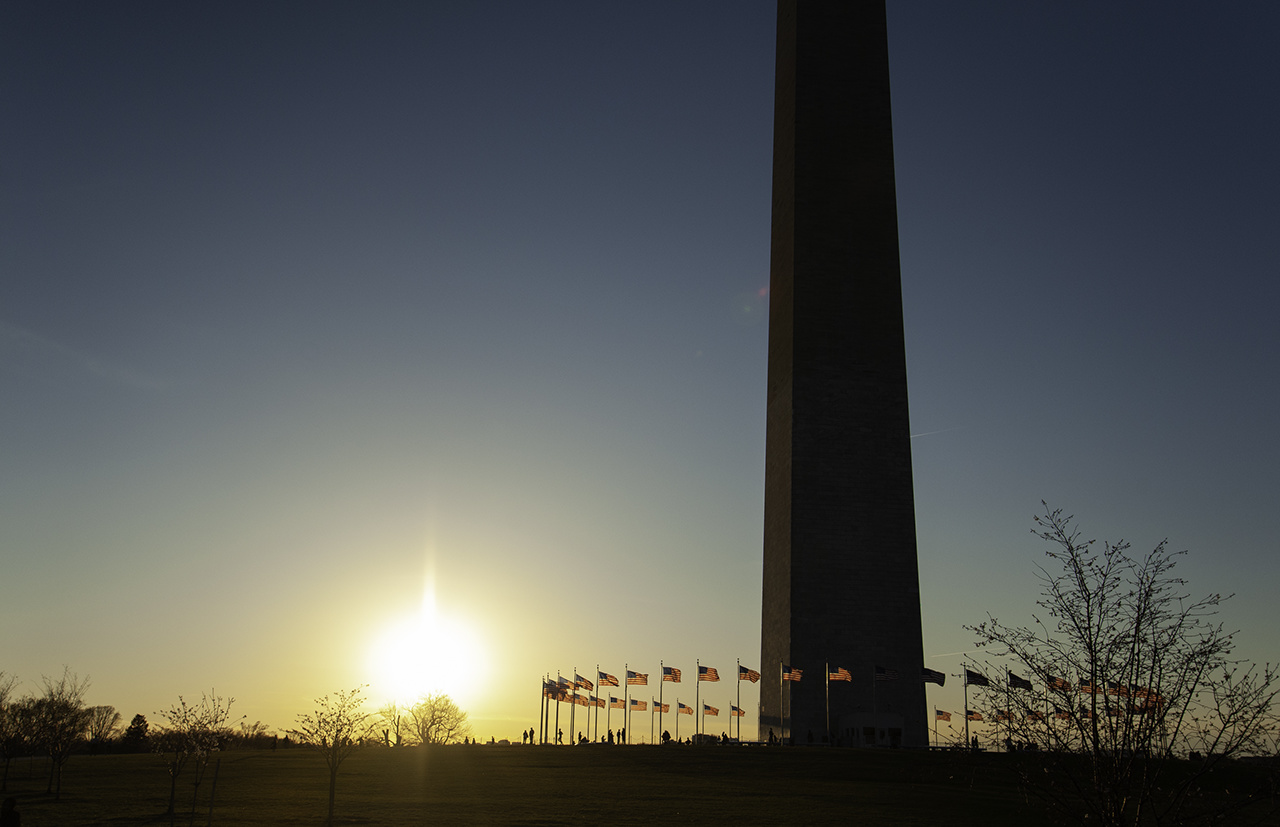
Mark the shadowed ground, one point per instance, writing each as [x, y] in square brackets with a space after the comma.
[547, 785]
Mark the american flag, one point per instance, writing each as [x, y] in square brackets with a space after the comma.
[941, 716]
[972, 678]
[1058, 684]
[841, 674]
[1033, 715]
[661, 707]
[683, 709]
[616, 703]
[637, 678]
[710, 710]
[734, 712]
[1003, 715]
[670, 673]
[789, 674]
[606, 679]
[582, 683]
[745, 674]
[638, 706]
[1016, 682]
[598, 702]
[708, 673]
[883, 674]
[581, 701]
[972, 716]
[933, 676]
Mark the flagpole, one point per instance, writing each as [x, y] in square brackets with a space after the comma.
[965, 681]
[573, 738]
[697, 709]
[650, 722]
[626, 705]
[782, 727]
[827, 681]
[556, 736]
[542, 713]
[739, 699]
[935, 727]
[597, 715]
[677, 719]
[662, 678]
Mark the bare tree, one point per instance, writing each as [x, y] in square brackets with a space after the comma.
[395, 724]
[192, 734]
[10, 739]
[1123, 678]
[60, 721]
[334, 729]
[103, 721]
[436, 719]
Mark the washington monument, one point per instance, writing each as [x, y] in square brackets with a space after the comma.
[841, 585]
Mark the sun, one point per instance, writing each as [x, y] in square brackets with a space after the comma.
[428, 653]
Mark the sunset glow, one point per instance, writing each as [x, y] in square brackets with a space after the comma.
[428, 653]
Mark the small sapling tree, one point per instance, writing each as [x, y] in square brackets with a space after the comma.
[1120, 678]
[334, 729]
[192, 734]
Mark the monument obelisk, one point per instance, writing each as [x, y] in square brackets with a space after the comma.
[841, 583]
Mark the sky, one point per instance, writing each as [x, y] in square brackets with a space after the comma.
[422, 345]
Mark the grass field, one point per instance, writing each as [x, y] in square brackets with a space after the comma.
[547, 785]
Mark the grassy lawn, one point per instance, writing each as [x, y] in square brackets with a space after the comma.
[546, 785]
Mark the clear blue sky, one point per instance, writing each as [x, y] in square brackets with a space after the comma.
[306, 307]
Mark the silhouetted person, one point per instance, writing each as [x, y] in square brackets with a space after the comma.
[666, 737]
[9, 816]
[559, 736]
[611, 736]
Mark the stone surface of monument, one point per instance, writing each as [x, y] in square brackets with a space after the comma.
[841, 582]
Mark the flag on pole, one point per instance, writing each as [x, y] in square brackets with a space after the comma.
[745, 674]
[1087, 687]
[973, 678]
[1057, 684]
[942, 716]
[734, 712]
[638, 706]
[1003, 715]
[789, 674]
[710, 710]
[637, 678]
[670, 673]
[599, 702]
[1060, 713]
[616, 703]
[969, 714]
[582, 683]
[661, 707]
[606, 679]
[581, 701]
[708, 673]
[933, 676]
[1016, 682]
[1035, 715]
[883, 674]
[841, 674]
[683, 709]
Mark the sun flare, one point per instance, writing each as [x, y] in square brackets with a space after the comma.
[428, 653]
